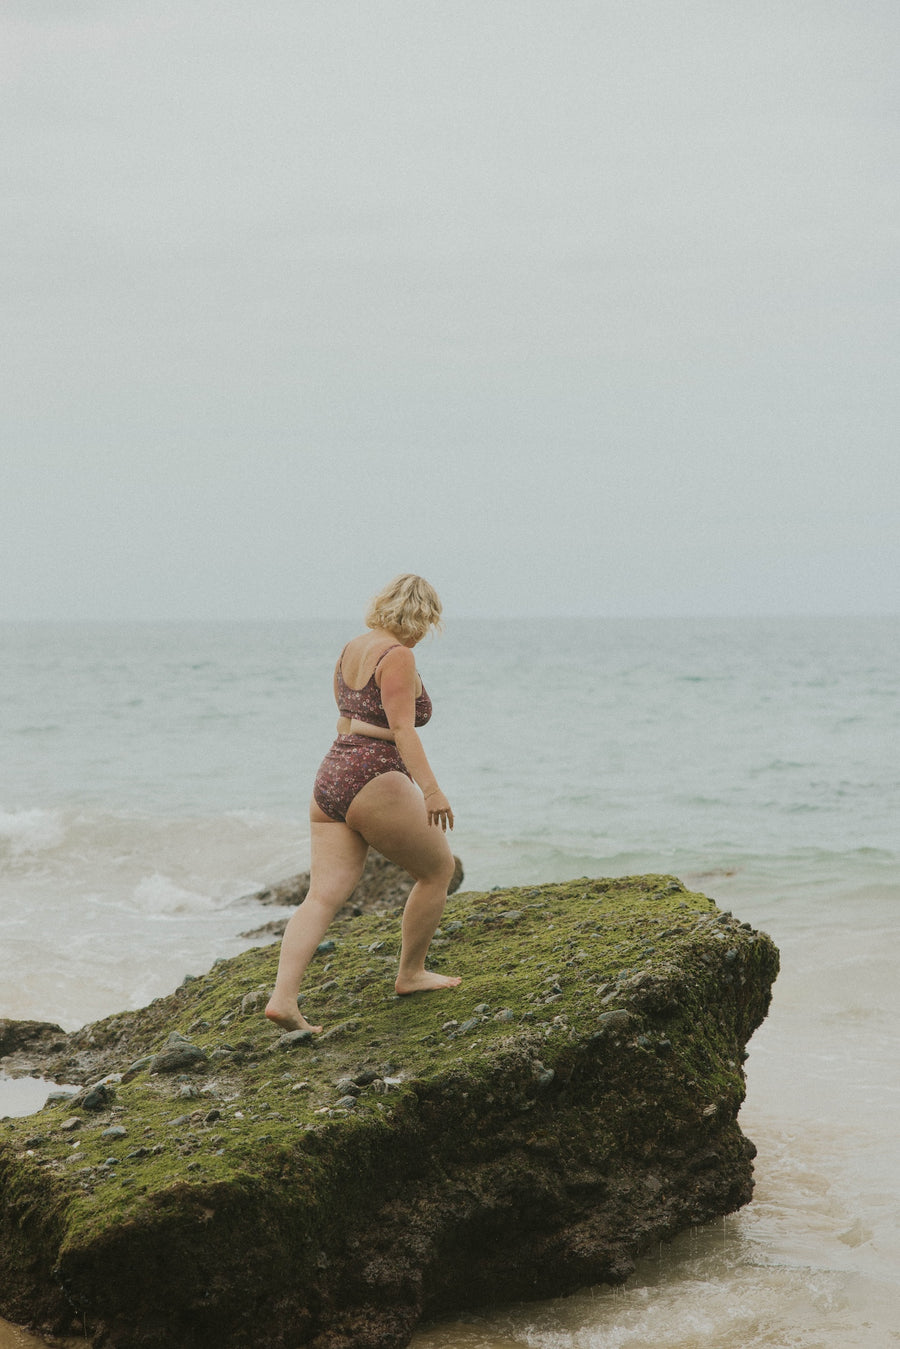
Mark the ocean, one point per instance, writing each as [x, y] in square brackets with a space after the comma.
[155, 775]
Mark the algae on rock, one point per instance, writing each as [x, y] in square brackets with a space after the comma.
[528, 1133]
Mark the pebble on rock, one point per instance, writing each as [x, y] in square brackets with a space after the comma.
[99, 1097]
[179, 1057]
[293, 1037]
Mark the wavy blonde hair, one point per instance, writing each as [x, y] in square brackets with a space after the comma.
[407, 607]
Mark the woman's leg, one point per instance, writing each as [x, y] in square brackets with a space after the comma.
[390, 814]
[337, 858]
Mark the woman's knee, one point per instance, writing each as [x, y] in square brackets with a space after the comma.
[439, 869]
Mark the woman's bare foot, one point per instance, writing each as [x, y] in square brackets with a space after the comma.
[289, 1019]
[425, 982]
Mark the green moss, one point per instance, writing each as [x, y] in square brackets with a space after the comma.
[541, 968]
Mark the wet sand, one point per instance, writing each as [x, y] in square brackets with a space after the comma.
[12, 1337]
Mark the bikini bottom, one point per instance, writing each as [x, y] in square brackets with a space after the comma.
[352, 761]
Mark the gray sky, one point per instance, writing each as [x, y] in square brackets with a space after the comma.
[585, 308]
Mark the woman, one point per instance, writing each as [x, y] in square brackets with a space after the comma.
[375, 787]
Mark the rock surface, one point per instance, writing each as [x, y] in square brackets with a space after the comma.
[383, 885]
[528, 1133]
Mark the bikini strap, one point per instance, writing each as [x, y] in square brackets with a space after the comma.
[384, 653]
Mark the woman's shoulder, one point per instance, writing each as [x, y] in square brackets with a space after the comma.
[396, 658]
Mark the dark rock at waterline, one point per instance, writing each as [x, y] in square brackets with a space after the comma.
[332, 1192]
[22, 1035]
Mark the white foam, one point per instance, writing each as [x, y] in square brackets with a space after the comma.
[160, 894]
[25, 832]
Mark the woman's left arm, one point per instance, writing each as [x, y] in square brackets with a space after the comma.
[398, 698]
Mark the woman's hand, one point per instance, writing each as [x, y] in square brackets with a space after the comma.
[439, 809]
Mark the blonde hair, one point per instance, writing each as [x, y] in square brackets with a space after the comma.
[407, 607]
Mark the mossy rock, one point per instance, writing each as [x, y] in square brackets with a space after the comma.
[526, 1134]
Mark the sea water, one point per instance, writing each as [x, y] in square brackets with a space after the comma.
[153, 776]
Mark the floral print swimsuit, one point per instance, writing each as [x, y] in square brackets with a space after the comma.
[354, 760]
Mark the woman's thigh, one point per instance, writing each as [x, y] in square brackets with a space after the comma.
[390, 815]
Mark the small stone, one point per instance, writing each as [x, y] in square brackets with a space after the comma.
[512, 915]
[376, 946]
[115, 1131]
[178, 1057]
[137, 1067]
[251, 1002]
[324, 947]
[344, 1028]
[469, 1025]
[211, 1116]
[364, 1078]
[69, 1125]
[482, 1009]
[505, 1014]
[455, 926]
[346, 1103]
[347, 1086]
[293, 1037]
[99, 1097]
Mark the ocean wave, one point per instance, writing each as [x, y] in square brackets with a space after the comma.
[26, 832]
[159, 894]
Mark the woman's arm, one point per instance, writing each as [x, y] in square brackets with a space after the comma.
[398, 698]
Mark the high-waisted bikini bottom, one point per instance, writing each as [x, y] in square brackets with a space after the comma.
[352, 761]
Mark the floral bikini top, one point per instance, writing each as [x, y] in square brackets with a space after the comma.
[365, 703]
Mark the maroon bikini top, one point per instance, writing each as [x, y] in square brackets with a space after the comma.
[365, 703]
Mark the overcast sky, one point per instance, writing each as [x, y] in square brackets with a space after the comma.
[578, 308]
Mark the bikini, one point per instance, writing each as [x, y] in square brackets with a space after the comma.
[354, 760]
